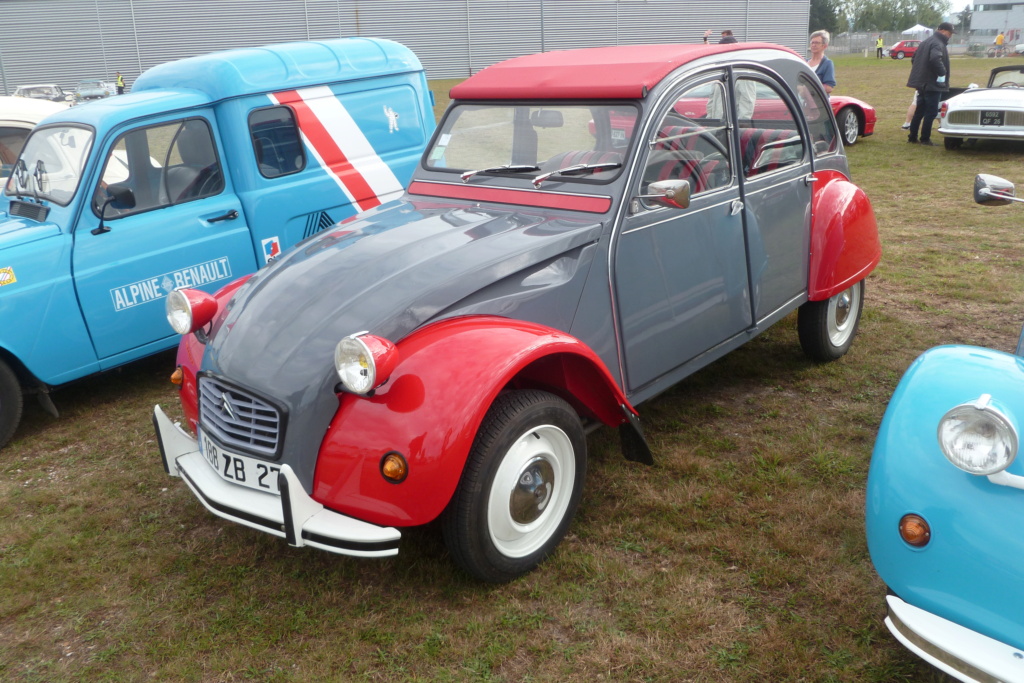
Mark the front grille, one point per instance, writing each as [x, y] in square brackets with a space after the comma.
[973, 118]
[239, 419]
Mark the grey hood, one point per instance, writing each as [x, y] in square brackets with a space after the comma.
[389, 272]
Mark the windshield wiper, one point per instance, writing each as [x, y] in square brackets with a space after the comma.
[40, 177]
[20, 174]
[507, 168]
[577, 169]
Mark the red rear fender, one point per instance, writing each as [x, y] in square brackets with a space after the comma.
[844, 236]
[448, 375]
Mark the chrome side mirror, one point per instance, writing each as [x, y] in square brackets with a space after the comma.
[992, 190]
[675, 194]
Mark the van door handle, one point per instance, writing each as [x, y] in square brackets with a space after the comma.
[810, 178]
[735, 207]
[229, 216]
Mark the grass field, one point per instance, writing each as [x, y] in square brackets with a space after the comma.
[739, 556]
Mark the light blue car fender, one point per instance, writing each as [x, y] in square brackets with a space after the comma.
[964, 583]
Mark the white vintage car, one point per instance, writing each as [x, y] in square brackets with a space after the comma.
[995, 112]
[18, 116]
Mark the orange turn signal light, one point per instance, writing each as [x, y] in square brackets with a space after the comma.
[177, 376]
[393, 467]
[915, 530]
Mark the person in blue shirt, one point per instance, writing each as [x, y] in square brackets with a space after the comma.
[821, 64]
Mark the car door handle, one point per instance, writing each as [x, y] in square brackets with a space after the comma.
[735, 207]
[229, 216]
[810, 178]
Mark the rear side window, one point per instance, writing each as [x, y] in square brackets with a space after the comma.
[11, 141]
[168, 164]
[276, 142]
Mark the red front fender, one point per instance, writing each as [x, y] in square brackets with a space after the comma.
[844, 236]
[448, 375]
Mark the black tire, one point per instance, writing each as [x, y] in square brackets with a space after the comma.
[10, 403]
[849, 125]
[500, 524]
[953, 143]
[827, 328]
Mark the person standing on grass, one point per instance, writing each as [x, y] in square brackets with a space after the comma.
[120, 83]
[929, 76]
[879, 46]
[821, 64]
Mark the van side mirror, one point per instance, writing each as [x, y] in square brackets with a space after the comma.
[122, 197]
[546, 118]
[674, 194]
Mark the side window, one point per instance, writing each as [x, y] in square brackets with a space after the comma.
[276, 142]
[768, 132]
[819, 119]
[163, 165]
[692, 142]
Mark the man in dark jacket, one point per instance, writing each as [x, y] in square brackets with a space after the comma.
[929, 75]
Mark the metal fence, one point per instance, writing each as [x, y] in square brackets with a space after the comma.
[64, 41]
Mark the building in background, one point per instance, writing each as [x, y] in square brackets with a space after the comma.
[65, 41]
[991, 18]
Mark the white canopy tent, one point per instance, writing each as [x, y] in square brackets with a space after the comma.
[917, 31]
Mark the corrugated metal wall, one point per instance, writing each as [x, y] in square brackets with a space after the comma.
[63, 41]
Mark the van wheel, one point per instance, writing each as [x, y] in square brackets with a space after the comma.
[953, 143]
[827, 328]
[520, 487]
[849, 125]
[10, 403]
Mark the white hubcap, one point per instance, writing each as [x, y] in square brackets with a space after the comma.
[842, 314]
[531, 491]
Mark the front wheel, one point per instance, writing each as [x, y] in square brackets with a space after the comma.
[849, 124]
[520, 487]
[827, 328]
[953, 143]
[10, 403]
[900, 55]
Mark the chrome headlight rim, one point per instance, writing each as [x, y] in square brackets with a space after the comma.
[179, 312]
[348, 353]
[1005, 431]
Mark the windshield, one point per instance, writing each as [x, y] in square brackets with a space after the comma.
[534, 140]
[50, 165]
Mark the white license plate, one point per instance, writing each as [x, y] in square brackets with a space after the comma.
[239, 469]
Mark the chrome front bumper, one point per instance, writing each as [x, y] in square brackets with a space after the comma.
[293, 515]
[959, 651]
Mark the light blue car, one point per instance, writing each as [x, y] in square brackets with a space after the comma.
[944, 507]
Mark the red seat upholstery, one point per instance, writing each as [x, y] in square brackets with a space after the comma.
[573, 157]
[752, 140]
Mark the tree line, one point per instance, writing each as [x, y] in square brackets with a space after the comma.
[869, 16]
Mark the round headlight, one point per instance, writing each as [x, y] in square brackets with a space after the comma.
[364, 362]
[189, 309]
[978, 438]
[179, 312]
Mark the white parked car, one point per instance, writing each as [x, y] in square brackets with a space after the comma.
[995, 112]
[18, 116]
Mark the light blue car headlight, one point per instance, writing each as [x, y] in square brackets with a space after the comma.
[978, 438]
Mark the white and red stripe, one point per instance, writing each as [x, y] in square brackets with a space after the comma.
[340, 147]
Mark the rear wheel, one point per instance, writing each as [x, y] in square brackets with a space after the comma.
[953, 143]
[10, 403]
[849, 124]
[827, 328]
[520, 487]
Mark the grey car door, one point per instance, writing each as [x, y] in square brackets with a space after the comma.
[680, 275]
[775, 167]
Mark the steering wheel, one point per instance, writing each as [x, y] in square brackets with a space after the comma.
[1009, 84]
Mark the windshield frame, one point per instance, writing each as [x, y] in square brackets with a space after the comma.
[622, 146]
[30, 190]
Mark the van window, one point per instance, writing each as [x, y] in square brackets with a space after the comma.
[169, 164]
[819, 118]
[276, 142]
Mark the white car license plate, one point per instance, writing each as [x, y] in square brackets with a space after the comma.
[991, 118]
[239, 469]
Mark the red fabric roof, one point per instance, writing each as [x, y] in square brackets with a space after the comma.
[620, 72]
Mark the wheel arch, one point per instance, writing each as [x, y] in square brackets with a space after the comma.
[845, 246]
[430, 410]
